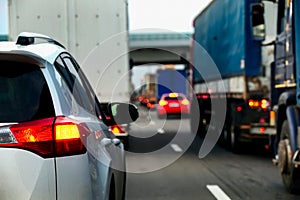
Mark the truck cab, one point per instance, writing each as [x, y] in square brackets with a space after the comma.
[285, 92]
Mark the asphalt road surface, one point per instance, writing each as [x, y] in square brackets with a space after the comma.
[163, 163]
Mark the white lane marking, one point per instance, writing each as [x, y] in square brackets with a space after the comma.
[218, 193]
[176, 148]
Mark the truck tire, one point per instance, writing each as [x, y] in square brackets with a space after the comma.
[235, 139]
[194, 117]
[197, 127]
[287, 169]
[224, 140]
[194, 125]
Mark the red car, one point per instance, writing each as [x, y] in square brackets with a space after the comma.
[173, 104]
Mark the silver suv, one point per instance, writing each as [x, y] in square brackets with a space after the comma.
[54, 138]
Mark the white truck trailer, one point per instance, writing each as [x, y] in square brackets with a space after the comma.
[94, 31]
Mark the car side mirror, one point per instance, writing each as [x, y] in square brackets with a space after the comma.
[123, 113]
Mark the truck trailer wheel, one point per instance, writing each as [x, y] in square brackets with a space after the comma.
[287, 169]
[224, 140]
[195, 118]
[235, 139]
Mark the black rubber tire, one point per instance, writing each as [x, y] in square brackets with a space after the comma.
[224, 140]
[194, 125]
[289, 174]
[124, 186]
[196, 121]
[112, 191]
[235, 144]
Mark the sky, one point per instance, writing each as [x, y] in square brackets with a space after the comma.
[161, 15]
[3, 17]
[173, 15]
[147, 16]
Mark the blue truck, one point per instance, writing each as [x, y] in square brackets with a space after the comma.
[230, 66]
[286, 91]
[171, 80]
[3, 37]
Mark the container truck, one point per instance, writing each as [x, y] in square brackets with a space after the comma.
[286, 92]
[95, 32]
[171, 80]
[223, 31]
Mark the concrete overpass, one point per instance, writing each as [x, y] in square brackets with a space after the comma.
[161, 48]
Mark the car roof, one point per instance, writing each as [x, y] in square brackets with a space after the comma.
[177, 93]
[48, 49]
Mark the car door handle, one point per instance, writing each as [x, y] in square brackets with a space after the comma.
[107, 141]
[116, 141]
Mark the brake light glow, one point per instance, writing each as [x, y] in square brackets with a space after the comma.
[173, 95]
[239, 108]
[146, 101]
[163, 103]
[70, 137]
[262, 129]
[185, 102]
[35, 136]
[203, 96]
[263, 104]
[262, 120]
[116, 129]
[150, 105]
[46, 137]
[64, 132]
[253, 103]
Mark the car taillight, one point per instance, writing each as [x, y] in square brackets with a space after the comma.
[163, 103]
[116, 129]
[185, 102]
[150, 105]
[70, 137]
[46, 137]
[203, 96]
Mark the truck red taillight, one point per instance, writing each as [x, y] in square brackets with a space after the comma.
[47, 137]
[263, 104]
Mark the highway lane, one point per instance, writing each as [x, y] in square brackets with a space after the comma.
[163, 163]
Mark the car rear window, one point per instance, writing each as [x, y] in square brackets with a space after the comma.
[174, 98]
[24, 93]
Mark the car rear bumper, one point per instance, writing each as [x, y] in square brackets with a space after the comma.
[167, 110]
[25, 175]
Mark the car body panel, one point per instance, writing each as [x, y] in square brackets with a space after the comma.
[173, 105]
[25, 175]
